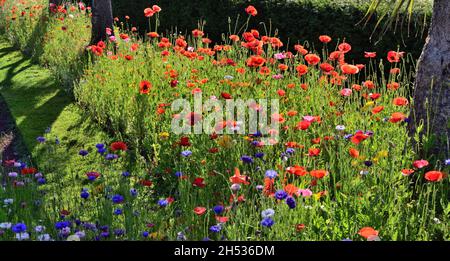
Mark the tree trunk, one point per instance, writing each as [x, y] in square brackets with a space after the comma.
[102, 18]
[431, 88]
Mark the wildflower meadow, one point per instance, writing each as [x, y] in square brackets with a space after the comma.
[169, 135]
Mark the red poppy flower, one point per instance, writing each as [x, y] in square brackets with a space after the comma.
[302, 69]
[300, 227]
[354, 153]
[144, 87]
[370, 54]
[434, 176]
[394, 57]
[28, 171]
[198, 182]
[303, 125]
[393, 85]
[146, 183]
[312, 152]
[156, 9]
[255, 61]
[407, 172]
[221, 219]
[400, 101]
[312, 59]
[226, 95]
[349, 69]
[367, 232]
[344, 47]
[326, 67]
[119, 145]
[318, 173]
[148, 12]
[420, 164]
[251, 10]
[237, 178]
[396, 117]
[377, 109]
[324, 38]
[297, 170]
[359, 137]
[199, 210]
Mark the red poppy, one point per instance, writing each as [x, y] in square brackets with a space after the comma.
[434, 176]
[369, 85]
[312, 152]
[420, 164]
[156, 9]
[144, 87]
[92, 175]
[238, 178]
[326, 68]
[300, 227]
[374, 96]
[318, 173]
[291, 189]
[119, 145]
[198, 182]
[303, 125]
[370, 54]
[312, 59]
[354, 153]
[344, 47]
[400, 101]
[221, 219]
[302, 69]
[28, 171]
[367, 232]
[393, 85]
[349, 69]
[396, 117]
[359, 137]
[407, 172]
[297, 170]
[394, 57]
[324, 38]
[255, 61]
[251, 10]
[199, 210]
[226, 95]
[377, 109]
[148, 12]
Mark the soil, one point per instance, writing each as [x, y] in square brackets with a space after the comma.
[11, 144]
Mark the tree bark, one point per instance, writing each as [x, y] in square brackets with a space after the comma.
[102, 18]
[432, 84]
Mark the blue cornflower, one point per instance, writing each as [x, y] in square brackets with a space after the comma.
[368, 163]
[40, 139]
[133, 192]
[218, 209]
[178, 174]
[348, 136]
[267, 222]
[255, 143]
[62, 224]
[83, 153]
[271, 174]
[118, 211]
[126, 174]
[259, 155]
[117, 199]
[267, 213]
[206, 239]
[247, 159]
[111, 156]
[84, 194]
[145, 234]
[104, 234]
[100, 146]
[186, 153]
[215, 228]
[290, 201]
[119, 232]
[447, 162]
[290, 151]
[281, 194]
[163, 202]
[257, 134]
[41, 181]
[19, 228]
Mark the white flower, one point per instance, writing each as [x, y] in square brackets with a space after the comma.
[22, 236]
[436, 220]
[228, 77]
[39, 229]
[71, 16]
[5, 225]
[8, 201]
[80, 234]
[44, 237]
[364, 172]
[340, 127]
[73, 238]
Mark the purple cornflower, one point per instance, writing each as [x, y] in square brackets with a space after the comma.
[117, 199]
[267, 222]
[271, 174]
[215, 228]
[111, 156]
[281, 194]
[290, 201]
[83, 153]
[19, 228]
[40, 139]
[218, 209]
[259, 155]
[163, 202]
[186, 153]
[247, 159]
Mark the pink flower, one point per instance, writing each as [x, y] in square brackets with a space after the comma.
[308, 118]
[346, 92]
[420, 164]
[305, 192]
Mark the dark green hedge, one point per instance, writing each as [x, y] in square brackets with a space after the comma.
[296, 21]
